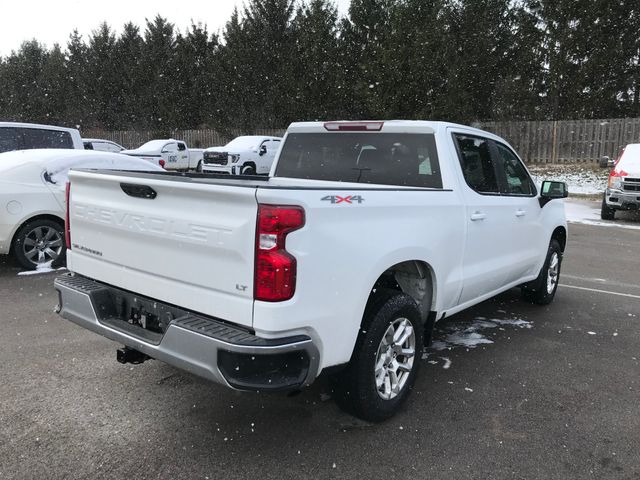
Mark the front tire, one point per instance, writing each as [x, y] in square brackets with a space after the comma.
[199, 167]
[606, 212]
[386, 358]
[39, 243]
[543, 289]
[248, 170]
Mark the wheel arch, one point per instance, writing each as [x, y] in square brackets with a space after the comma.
[415, 278]
[560, 234]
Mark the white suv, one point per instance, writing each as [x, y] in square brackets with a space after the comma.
[248, 155]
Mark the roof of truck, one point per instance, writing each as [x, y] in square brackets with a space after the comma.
[387, 125]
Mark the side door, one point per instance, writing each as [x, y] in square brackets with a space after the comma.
[486, 254]
[183, 156]
[266, 153]
[520, 198]
[170, 155]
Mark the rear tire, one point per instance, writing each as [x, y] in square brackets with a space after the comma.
[543, 289]
[386, 358]
[40, 242]
[606, 212]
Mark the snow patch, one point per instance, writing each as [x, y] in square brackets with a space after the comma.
[468, 335]
[44, 268]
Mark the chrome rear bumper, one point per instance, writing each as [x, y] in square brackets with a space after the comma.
[204, 346]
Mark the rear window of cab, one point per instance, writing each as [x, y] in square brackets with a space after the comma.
[407, 160]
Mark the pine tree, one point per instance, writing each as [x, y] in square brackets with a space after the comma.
[158, 55]
[316, 71]
[129, 69]
[102, 81]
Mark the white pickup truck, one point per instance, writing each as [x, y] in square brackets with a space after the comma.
[248, 155]
[340, 261]
[170, 154]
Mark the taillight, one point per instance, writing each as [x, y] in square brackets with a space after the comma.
[275, 268]
[353, 126]
[67, 227]
[161, 163]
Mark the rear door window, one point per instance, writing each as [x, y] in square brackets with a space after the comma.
[10, 139]
[477, 164]
[409, 160]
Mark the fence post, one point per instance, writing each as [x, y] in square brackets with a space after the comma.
[554, 142]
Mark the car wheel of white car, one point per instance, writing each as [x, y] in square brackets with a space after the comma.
[39, 243]
[199, 167]
[543, 289]
[248, 170]
[385, 360]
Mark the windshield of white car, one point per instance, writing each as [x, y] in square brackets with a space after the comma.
[243, 143]
[408, 160]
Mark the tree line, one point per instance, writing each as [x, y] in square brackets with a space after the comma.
[278, 61]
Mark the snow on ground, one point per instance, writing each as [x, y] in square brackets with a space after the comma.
[44, 268]
[580, 179]
[587, 212]
[469, 335]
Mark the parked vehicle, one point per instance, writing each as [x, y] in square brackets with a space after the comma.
[27, 136]
[101, 145]
[169, 154]
[32, 201]
[623, 187]
[341, 261]
[249, 155]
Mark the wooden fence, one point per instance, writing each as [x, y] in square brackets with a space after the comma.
[567, 141]
[562, 141]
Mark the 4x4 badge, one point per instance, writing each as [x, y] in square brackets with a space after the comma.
[350, 199]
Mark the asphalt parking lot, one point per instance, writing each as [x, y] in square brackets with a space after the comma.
[556, 395]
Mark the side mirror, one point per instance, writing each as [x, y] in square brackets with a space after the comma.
[606, 162]
[263, 149]
[552, 190]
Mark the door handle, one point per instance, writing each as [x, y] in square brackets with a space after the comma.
[520, 213]
[475, 216]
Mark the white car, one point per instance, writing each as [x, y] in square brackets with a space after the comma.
[32, 198]
[27, 136]
[102, 145]
[249, 155]
[169, 154]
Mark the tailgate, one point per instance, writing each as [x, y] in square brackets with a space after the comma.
[191, 246]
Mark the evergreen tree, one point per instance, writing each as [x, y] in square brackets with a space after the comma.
[195, 78]
[158, 78]
[102, 80]
[130, 99]
[316, 71]
[76, 66]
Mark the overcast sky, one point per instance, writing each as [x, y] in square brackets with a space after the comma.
[51, 21]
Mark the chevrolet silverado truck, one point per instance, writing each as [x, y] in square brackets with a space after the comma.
[339, 262]
[169, 154]
[248, 155]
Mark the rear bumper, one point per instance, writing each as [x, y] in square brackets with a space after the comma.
[204, 346]
[620, 199]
